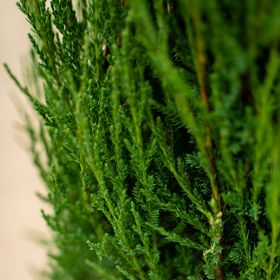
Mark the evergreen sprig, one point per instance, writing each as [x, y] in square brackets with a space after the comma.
[160, 127]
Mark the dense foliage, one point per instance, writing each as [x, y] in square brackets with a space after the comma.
[160, 131]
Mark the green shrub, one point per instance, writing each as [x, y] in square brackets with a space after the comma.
[160, 129]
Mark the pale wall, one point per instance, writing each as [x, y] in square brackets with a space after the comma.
[20, 216]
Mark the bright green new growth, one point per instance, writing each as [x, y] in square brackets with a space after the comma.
[160, 126]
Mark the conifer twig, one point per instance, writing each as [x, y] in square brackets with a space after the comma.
[154, 121]
[204, 94]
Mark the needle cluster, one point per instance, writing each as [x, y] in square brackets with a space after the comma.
[159, 122]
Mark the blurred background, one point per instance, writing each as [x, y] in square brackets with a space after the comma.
[21, 224]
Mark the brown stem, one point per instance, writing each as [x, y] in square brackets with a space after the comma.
[204, 93]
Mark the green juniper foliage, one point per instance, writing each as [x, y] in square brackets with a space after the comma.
[160, 131]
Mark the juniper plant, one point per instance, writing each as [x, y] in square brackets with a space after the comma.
[160, 130]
